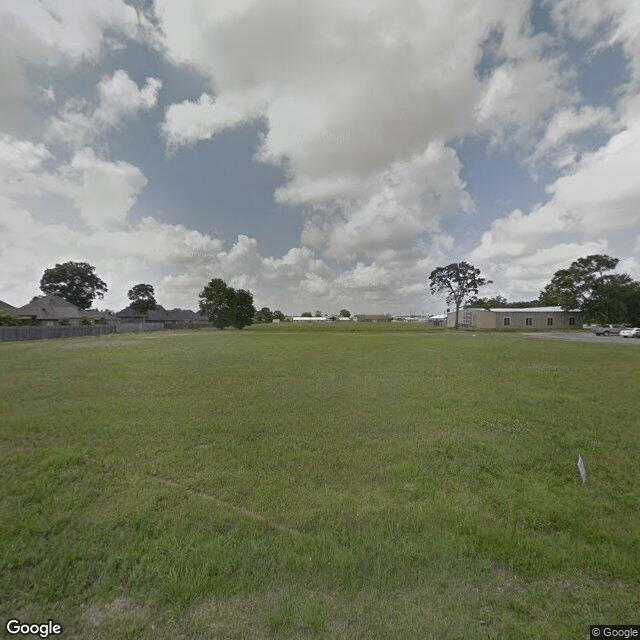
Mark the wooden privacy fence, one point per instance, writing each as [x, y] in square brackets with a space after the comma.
[72, 331]
[126, 327]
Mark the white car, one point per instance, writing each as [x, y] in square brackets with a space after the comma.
[630, 333]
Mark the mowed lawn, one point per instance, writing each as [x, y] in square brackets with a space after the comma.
[350, 481]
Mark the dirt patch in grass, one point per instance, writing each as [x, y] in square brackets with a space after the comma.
[117, 611]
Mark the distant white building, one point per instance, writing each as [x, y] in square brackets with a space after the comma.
[309, 319]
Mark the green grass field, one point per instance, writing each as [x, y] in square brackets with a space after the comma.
[381, 481]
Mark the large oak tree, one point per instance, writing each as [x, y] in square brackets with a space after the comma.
[75, 282]
[225, 306]
[589, 285]
[142, 298]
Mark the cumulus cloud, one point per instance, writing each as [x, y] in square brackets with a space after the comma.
[597, 198]
[18, 158]
[361, 105]
[65, 30]
[102, 191]
[55, 33]
[562, 142]
[119, 98]
[393, 208]
[358, 104]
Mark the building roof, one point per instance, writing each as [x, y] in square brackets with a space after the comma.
[7, 307]
[96, 313]
[526, 310]
[160, 314]
[48, 307]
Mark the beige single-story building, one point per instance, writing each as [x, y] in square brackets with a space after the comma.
[528, 318]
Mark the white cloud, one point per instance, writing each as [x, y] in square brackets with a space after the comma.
[65, 30]
[358, 103]
[621, 18]
[361, 105]
[568, 121]
[518, 94]
[189, 122]
[393, 209]
[18, 158]
[55, 33]
[119, 98]
[102, 191]
[598, 198]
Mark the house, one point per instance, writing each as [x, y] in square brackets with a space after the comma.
[175, 316]
[513, 318]
[170, 318]
[100, 317]
[5, 306]
[129, 314]
[49, 310]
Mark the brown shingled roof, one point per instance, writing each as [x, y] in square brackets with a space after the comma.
[48, 308]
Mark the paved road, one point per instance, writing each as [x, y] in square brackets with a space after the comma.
[585, 336]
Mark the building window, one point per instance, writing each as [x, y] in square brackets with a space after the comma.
[549, 322]
[528, 322]
[572, 321]
[466, 318]
[506, 321]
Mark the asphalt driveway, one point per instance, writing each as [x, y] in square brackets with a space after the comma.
[584, 336]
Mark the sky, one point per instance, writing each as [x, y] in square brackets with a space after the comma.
[324, 154]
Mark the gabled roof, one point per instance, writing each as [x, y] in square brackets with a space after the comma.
[48, 308]
[96, 313]
[128, 312]
[160, 314]
[7, 307]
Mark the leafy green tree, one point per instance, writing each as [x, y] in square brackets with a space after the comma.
[216, 302]
[573, 287]
[264, 315]
[499, 302]
[142, 298]
[615, 300]
[278, 315]
[318, 314]
[75, 282]
[344, 313]
[588, 285]
[226, 307]
[244, 310]
[460, 281]
[306, 314]
[487, 303]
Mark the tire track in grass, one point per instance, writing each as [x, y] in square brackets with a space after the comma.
[254, 515]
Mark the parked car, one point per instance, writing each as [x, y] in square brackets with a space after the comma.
[609, 329]
[633, 332]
